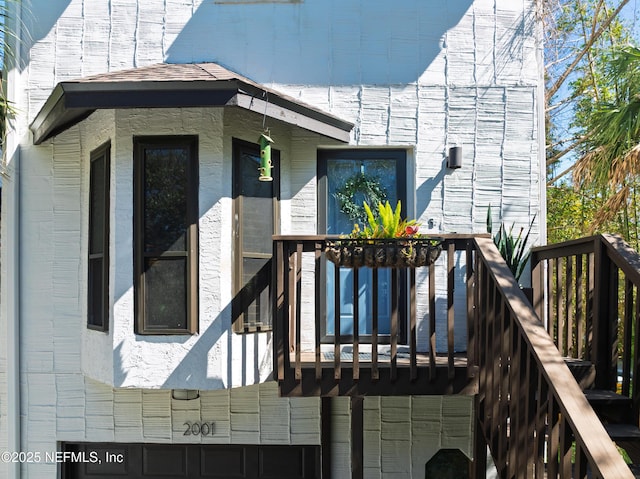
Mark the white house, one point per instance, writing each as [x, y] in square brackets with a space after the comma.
[136, 320]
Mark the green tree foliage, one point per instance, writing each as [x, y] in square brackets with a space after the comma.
[579, 36]
[592, 120]
[570, 213]
[610, 160]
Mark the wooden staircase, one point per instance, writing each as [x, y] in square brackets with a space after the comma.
[587, 293]
[532, 412]
[614, 410]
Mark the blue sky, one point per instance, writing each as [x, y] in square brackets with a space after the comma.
[631, 17]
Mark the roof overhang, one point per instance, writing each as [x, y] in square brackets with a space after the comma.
[176, 86]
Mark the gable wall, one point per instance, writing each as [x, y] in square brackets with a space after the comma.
[424, 74]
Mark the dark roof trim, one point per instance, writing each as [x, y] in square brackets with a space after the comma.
[292, 115]
[73, 101]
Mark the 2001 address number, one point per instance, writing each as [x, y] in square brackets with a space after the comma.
[199, 428]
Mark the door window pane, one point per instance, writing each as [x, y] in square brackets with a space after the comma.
[359, 181]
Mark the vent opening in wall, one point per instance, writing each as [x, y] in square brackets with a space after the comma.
[448, 464]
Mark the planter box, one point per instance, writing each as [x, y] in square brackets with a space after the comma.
[384, 253]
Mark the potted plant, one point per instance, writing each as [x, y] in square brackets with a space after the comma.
[385, 241]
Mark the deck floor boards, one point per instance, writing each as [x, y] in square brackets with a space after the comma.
[327, 360]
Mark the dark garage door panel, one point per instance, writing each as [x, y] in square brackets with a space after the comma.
[193, 461]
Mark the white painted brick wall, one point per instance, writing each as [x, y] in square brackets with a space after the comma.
[401, 434]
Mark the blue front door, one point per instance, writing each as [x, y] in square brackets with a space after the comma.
[347, 178]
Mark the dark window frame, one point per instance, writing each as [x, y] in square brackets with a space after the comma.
[362, 154]
[239, 299]
[140, 144]
[102, 153]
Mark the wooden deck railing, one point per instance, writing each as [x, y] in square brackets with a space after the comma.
[531, 412]
[593, 308]
[309, 362]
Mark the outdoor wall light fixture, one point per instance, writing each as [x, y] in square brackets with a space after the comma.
[185, 394]
[265, 157]
[455, 157]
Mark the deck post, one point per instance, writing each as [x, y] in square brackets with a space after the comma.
[325, 436]
[605, 313]
[280, 351]
[478, 467]
[538, 286]
[357, 437]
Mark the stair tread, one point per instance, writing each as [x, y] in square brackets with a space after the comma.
[582, 370]
[622, 431]
[577, 362]
[605, 397]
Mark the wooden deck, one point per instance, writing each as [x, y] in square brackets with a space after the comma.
[403, 359]
[385, 377]
[311, 361]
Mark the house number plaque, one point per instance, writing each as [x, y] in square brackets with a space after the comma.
[198, 428]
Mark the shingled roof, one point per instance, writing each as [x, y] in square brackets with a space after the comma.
[164, 72]
[175, 86]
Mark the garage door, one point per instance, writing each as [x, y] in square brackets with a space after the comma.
[170, 461]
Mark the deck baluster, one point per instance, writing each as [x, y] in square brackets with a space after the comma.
[356, 325]
[337, 371]
[451, 282]
[375, 374]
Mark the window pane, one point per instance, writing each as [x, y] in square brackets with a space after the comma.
[165, 199]
[97, 205]
[256, 273]
[257, 225]
[98, 246]
[166, 293]
[166, 236]
[256, 204]
[96, 293]
[257, 214]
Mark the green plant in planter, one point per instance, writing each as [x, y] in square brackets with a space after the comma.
[386, 240]
[387, 224]
[513, 248]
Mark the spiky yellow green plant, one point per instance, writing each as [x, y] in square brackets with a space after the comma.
[388, 223]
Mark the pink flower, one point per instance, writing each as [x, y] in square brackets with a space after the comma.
[411, 230]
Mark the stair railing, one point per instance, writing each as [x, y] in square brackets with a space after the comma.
[587, 293]
[531, 412]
